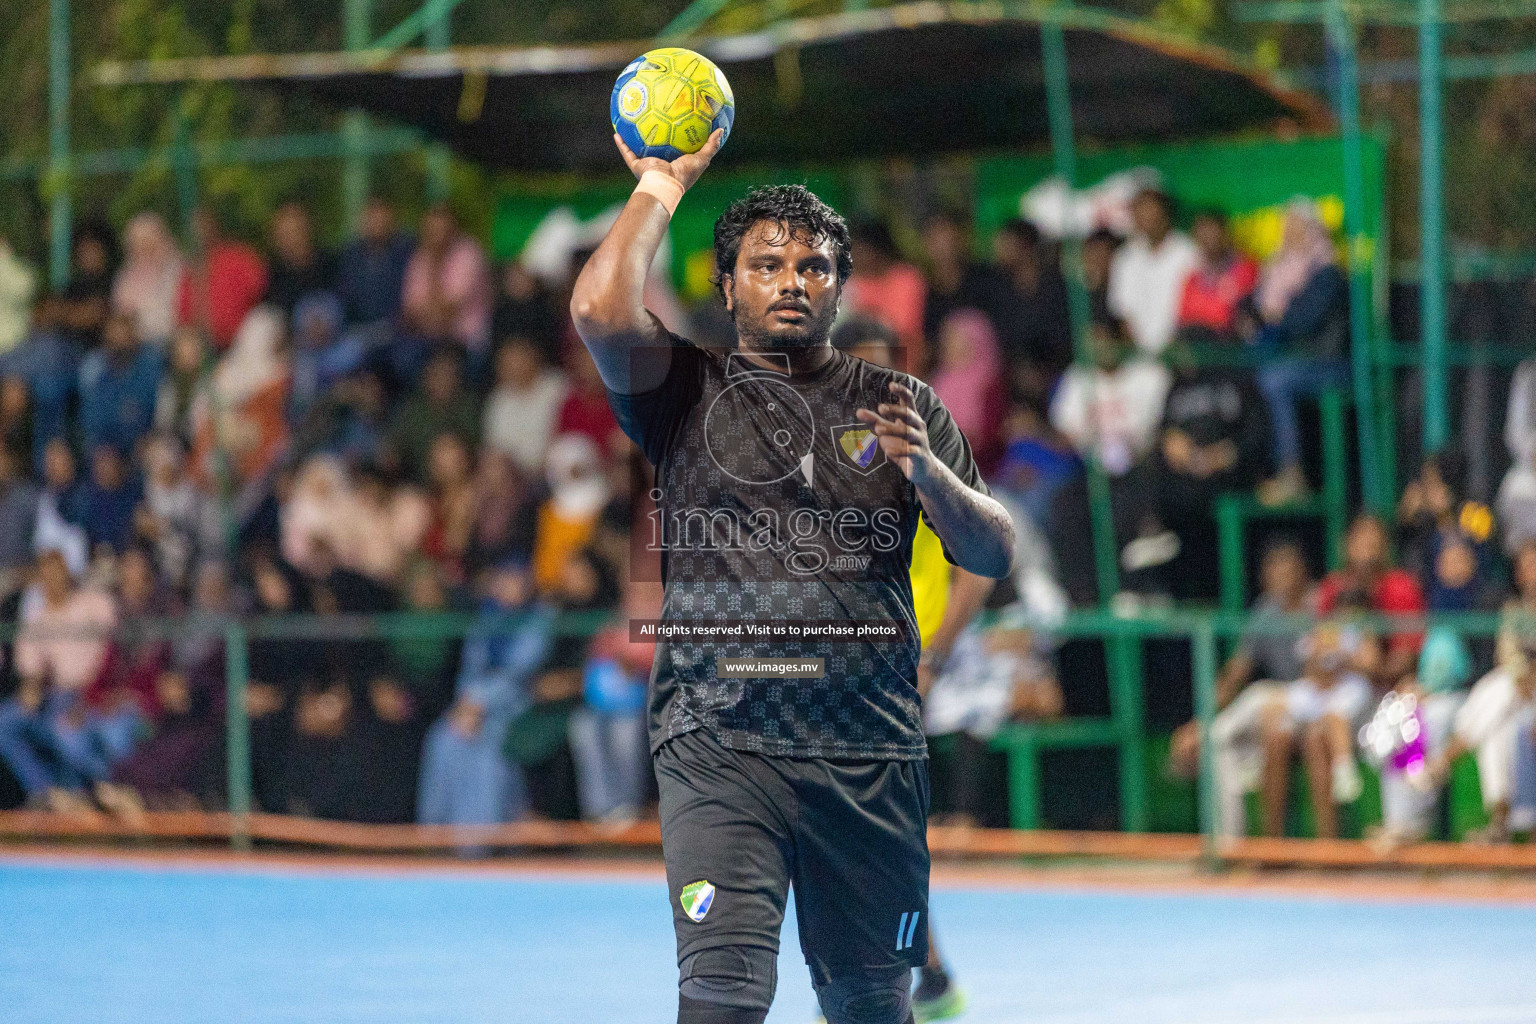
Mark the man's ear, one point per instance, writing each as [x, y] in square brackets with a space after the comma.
[728, 291]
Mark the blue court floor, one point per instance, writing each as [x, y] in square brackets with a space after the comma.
[184, 945]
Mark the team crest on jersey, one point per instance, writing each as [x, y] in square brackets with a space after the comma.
[696, 898]
[858, 447]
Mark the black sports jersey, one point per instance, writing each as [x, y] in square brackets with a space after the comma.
[776, 505]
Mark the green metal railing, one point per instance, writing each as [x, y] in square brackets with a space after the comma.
[1206, 630]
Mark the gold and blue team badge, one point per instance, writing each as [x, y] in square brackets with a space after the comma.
[696, 899]
[857, 447]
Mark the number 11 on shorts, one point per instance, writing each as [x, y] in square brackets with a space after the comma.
[906, 929]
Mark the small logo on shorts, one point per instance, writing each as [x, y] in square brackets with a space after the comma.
[905, 930]
[696, 899]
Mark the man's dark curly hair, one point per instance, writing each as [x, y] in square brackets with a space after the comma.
[808, 218]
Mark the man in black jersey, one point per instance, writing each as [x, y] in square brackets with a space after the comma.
[785, 720]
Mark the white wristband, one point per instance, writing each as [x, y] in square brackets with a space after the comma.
[662, 187]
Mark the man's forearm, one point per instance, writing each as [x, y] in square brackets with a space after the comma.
[608, 302]
[975, 529]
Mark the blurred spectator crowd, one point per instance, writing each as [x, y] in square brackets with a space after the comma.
[191, 432]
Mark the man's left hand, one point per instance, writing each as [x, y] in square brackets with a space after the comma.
[902, 433]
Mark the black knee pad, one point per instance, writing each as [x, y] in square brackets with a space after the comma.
[736, 977]
[867, 996]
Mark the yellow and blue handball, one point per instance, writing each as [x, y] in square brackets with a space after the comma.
[669, 101]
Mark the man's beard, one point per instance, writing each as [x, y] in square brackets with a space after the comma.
[812, 333]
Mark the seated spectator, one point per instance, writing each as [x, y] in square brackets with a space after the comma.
[119, 386]
[1432, 502]
[523, 410]
[1316, 717]
[1215, 290]
[1516, 501]
[299, 267]
[499, 493]
[1147, 274]
[1035, 325]
[370, 275]
[241, 417]
[447, 295]
[390, 524]
[1214, 439]
[321, 356]
[537, 740]
[1098, 255]
[886, 289]
[16, 419]
[318, 510]
[524, 309]
[187, 374]
[177, 519]
[18, 522]
[1112, 409]
[441, 404]
[453, 507]
[148, 283]
[350, 422]
[222, 284]
[465, 780]
[52, 743]
[1437, 692]
[85, 301]
[608, 732]
[968, 378]
[992, 677]
[17, 283]
[586, 410]
[1037, 462]
[109, 499]
[327, 773]
[562, 521]
[956, 280]
[1489, 723]
[124, 690]
[1368, 571]
[1251, 682]
[50, 365]
[61, 509]
[279, 668]
[1301, 316]
[175, 767]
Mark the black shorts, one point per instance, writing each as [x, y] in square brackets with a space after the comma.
[738, 829]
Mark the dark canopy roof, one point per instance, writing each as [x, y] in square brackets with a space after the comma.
[914, 79]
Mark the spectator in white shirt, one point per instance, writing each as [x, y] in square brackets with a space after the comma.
[1146, 278]
[521, 413]
[1113, 408]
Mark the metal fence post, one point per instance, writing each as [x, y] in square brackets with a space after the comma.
[357, 16]
[1204, 641]
[1058, 91]
[237, 734]
[1341, 34]
[1432, 227]
[60, 179]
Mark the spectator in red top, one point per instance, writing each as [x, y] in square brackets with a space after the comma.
[1391, 591]
[223, 285]
[586, 411]
[884, 288]
[1215, 288]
